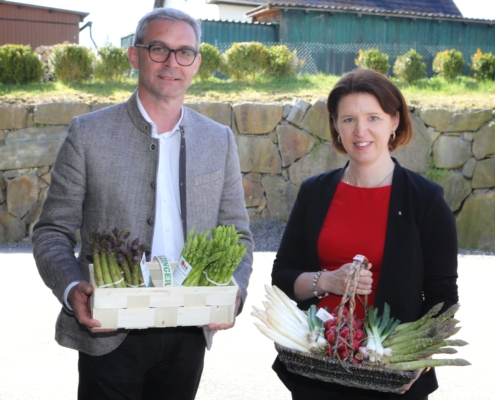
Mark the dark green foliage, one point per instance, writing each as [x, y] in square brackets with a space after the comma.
[72, 63]
[483, 67]
[448, 64]
[112, 64]
[210, 61]
[281, 62]
[245, 60]
[19, 65]
[373, 59]
[410, 67]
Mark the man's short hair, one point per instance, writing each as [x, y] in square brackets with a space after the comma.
[170, 14]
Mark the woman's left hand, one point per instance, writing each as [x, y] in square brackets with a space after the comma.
[407, 386]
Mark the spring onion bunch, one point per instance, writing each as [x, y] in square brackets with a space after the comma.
[378, 328]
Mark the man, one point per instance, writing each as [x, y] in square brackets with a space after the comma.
[158, 168]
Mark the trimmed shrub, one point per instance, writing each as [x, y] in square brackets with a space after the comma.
[72, 63]
[19, 65]
[245, 60]
[448, 64]
[410, 67]
[210, 61]
[373, 59]
[281, 61]
[483, 67]
[112, 64]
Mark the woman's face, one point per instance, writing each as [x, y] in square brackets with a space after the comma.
[365, 129]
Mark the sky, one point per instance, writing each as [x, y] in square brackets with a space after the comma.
[114, 19]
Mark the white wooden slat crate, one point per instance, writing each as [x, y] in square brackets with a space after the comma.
[147, 307]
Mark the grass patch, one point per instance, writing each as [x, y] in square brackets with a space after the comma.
[464, 92]
[433, 173]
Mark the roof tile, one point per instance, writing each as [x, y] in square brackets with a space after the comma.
[445, 7]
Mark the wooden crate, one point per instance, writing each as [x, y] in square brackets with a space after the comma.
[147, 307]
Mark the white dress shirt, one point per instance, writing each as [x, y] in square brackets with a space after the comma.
[168, 237]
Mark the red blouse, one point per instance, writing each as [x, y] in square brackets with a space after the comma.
[356, 223]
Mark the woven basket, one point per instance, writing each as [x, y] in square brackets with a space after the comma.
[329, 369]
[344, 372]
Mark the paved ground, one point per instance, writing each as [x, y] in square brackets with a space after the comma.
[33, 366]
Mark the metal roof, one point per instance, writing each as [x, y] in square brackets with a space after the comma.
[323, 6]
[81, 14]
[445, 7]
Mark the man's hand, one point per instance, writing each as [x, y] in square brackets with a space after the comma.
[221, 327]
[78, 298]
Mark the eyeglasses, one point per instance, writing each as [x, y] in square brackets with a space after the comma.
[160, 54]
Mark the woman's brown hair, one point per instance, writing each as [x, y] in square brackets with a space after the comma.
[386, 93]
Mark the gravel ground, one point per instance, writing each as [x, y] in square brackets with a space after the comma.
[267, 234]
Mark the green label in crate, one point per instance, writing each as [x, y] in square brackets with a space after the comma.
[166, 270]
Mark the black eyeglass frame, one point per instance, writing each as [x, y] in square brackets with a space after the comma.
[170, 51]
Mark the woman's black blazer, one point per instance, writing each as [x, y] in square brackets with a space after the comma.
[419, 266]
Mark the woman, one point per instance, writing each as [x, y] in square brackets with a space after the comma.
[374, 207]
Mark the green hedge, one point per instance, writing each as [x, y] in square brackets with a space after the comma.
[19, 65]
[112, 64]
[373, 59]
[281, 61]
[72, 63]
[245, 60]
[483, 66]
[210, 61]
[410, 67]
[448, 64]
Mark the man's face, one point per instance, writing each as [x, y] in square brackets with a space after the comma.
[166, 80]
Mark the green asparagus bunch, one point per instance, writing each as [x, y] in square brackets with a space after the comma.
[116, 262]
[412, 343]
[213, 258]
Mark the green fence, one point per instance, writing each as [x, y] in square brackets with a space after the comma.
[330, 42]
[217, 32]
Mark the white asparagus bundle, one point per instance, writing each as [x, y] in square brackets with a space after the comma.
[286, 324]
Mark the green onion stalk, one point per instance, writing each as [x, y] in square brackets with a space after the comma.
[378, 328]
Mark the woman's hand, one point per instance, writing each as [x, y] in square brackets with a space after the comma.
[407, 386]
[334, 281]
[331, 282]
[420, 372]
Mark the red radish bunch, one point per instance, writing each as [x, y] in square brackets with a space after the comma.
[339, 337]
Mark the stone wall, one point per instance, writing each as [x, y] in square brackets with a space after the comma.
[279, 146]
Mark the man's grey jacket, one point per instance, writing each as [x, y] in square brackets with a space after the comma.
[105, 173]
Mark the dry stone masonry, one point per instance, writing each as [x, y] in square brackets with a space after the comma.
[279, 145]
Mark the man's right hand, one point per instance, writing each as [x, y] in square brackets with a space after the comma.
[79, 301]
